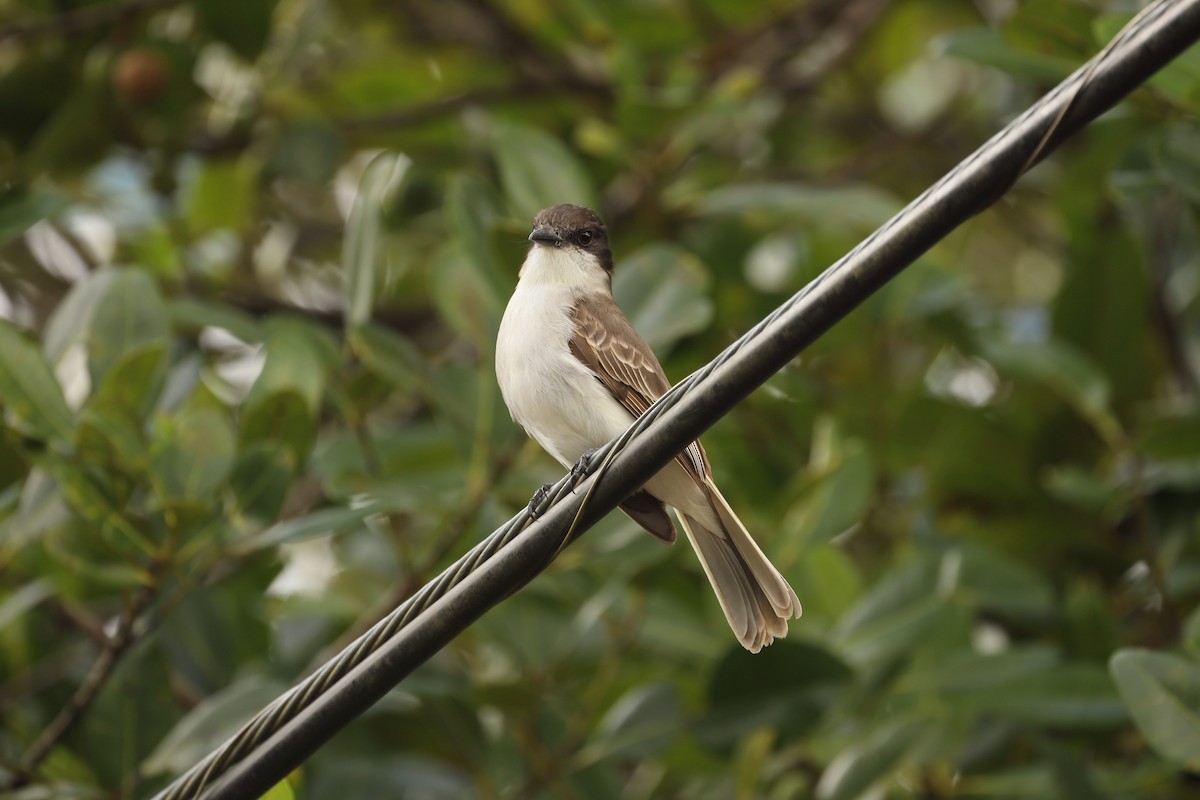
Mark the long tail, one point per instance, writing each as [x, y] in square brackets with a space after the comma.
[756, 599]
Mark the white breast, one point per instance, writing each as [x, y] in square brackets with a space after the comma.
[553, 396]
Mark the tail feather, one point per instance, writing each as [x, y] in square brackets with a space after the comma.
[728, 579]
[756, 599]
[780, 594]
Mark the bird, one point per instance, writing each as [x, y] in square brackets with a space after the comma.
[575, 374]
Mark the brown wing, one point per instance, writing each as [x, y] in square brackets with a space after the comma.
[607, 344]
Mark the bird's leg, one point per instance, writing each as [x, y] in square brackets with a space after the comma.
[580, 468]
[537, 499]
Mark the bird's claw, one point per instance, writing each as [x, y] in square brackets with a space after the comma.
[578, 471]
[538, 498]
[579, 468]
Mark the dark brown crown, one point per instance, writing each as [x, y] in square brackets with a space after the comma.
[566, 218]
[575, 225]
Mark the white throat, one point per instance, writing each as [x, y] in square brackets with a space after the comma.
[567, 267]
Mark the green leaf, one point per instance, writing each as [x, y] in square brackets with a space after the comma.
[1191, 632]
[22, 208]
[283, 403]
[114, 438]
[1174, 166]
[154, 249]
[92, 494]
[969, 672]
[29, 392]
[79, 131]
[399, 776]
[905, 583]
[23, 95]
[283, 419]
[1082, 487]
[785, 687]
[134, 382]
[393, 358]
[420, 465]
[831, 582]
[1170, 434]
[994, 582]
[468, 280]
[895, 632]
[989, 47]
[193, 314]
[905, 611]
[209, 724]
[244, 25]
[298, 358]
[193, 453]
[663, 290]
[362, 248]
[397, 360]
[234, 612]
[318, 523]
[644, 721]
[308, 150]
[835, 503]
[1064, 370]
[472, 210]
[1090, 629]
[537, 171]
[1162, 693]
[863, 769]
[846, 208]
[1068, 697]
[40, 509]
[129, 316]
[1092, 312]
[221, 194]
[72, 317]
[121, 318]
[19, 602]
[471, 306]
[280, 791]
[260, 481]
[1036, 782]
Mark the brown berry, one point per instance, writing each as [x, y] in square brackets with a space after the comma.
[140, 75]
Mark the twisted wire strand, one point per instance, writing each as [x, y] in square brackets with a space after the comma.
[289, 705]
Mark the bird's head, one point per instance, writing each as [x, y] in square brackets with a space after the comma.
[570, 246]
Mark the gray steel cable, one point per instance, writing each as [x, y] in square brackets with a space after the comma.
[296, 724]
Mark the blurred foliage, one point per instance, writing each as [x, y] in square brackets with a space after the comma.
[252, 259]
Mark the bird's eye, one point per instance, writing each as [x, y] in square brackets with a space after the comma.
[585, 238]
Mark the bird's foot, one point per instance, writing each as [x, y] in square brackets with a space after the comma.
[580, 468]
[538, 498]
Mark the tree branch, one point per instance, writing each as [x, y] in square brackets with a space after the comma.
[824, 32]
[127, 633]
[82, 18]
[524, 91]
[1163, 231]
[828, 32]
[447, 540]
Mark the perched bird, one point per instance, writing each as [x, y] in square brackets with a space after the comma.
[575, 374]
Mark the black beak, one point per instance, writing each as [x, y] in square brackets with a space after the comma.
[545, 235]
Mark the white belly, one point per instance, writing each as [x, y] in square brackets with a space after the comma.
[554, 397]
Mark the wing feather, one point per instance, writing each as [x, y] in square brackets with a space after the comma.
[607, 344]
